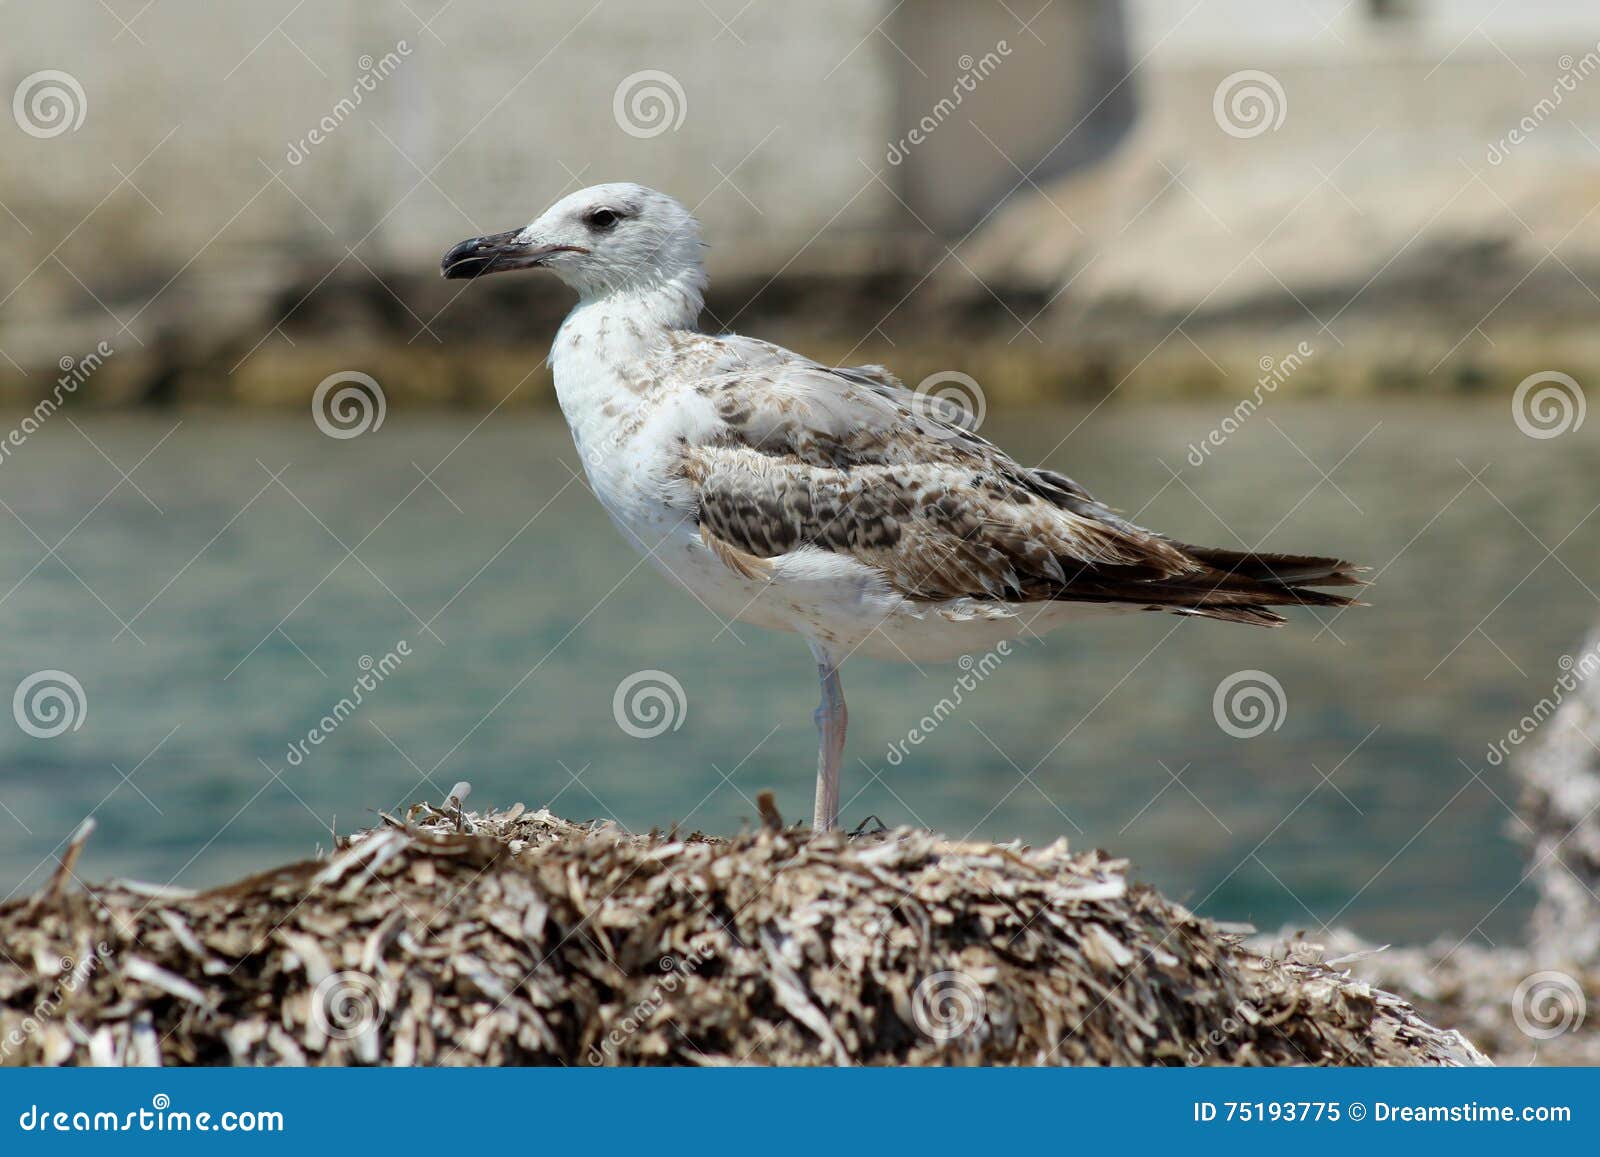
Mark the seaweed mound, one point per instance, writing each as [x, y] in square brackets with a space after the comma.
[520, 938]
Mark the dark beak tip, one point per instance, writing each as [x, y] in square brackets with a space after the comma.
[463, 261]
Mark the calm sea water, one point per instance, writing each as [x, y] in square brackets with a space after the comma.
[218, 602]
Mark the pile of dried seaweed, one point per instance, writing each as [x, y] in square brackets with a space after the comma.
[519, 938]
[1520, 1006]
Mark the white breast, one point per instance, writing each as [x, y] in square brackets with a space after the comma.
[629, 429]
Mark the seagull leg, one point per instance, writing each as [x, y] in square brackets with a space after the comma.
[831, 718]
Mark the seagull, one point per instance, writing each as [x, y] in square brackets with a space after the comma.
[832, 502]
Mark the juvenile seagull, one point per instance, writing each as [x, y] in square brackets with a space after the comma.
[831, 502]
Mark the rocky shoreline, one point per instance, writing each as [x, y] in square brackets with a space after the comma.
[222, 344]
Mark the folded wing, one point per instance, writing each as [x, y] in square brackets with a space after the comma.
[801, 456]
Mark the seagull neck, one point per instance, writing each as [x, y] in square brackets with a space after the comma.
[669, 304]
[608, 336]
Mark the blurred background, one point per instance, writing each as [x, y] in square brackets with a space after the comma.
[1322, 274]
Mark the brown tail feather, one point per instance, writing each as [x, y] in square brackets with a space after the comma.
[1241, 585]
[1235, 586]
[1252, 616]
[1283, 569]
[1215, 590]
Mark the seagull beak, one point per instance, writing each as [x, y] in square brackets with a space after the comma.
[497, 253]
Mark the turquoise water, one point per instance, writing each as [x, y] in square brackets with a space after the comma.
[247, 617]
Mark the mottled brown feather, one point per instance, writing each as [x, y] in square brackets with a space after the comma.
[740, 562]
[851, 462]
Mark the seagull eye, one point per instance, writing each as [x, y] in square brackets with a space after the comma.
[602, 218]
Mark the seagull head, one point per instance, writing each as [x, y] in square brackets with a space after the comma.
[600, 240]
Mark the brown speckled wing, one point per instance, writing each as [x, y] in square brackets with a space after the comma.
[848, 461]
[935, 531]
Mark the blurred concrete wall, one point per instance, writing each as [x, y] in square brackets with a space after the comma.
[1413, 183]
[990, 98]
[195, 169]
[494, 107]
[221, 148]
